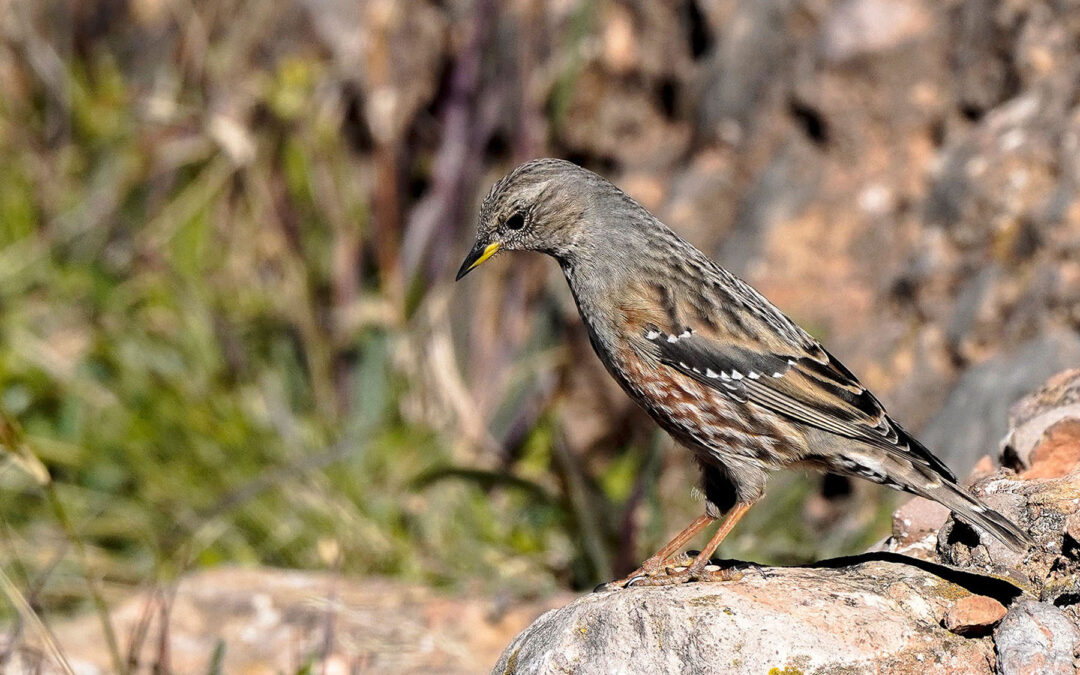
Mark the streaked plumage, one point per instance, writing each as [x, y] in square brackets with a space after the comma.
[712, 361]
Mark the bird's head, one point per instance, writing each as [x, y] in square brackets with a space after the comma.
[539, 206]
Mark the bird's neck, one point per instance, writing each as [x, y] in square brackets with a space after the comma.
[598, 283]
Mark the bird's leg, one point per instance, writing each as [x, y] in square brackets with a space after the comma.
[696, 571]
[697, 568]
[662, 558]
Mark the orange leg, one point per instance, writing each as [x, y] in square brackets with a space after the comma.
[696, 569]
[656, 563]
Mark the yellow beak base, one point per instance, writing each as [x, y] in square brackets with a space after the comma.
[477, 256]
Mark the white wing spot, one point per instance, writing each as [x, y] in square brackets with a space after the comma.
[778, 374]
[686, 333]
[652, 335]
[709, 372]
[673, 338]
[736, 375]
[753, 375]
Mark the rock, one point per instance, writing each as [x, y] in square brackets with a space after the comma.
[975, 416]
[873, 616]
[973, 615]
[1057, 453]
[1043, 443]
[915, 527]
[859, 27]
[1036, 638]
[1031, 419]
[1072, 528]
[1041, 507]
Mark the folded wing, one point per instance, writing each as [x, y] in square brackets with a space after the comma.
[804, 384]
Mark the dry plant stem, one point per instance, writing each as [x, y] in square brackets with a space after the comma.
[27, 614]
[33, 588]
[582, 507]
[163, 661]
[138, 632]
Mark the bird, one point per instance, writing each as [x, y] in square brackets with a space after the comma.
[712, 361]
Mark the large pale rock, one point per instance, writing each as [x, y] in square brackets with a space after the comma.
[874, 616]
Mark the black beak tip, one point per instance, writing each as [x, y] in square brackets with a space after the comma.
[470, 260]
[462, 271]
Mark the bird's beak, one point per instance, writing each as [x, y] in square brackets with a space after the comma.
[477, 255]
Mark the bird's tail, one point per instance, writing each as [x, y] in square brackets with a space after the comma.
[974, 512]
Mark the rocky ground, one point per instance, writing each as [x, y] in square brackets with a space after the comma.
[261, 620]
[936, 597]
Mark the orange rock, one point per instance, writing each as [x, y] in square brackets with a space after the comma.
[973, 615]
[1057, 453]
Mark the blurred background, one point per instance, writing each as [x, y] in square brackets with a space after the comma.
[229, 230]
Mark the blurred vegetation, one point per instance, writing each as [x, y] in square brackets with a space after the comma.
[220, 341]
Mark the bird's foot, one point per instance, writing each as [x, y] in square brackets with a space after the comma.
[684, 575]
[678, 569]
[652, 567]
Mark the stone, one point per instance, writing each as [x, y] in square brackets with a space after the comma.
[915, 527]
[876, 612]
[873, 616]
[1036, 638]
[1031, 418]
[1041, 508]
[860, 27]
[973, 615]
[1057, 453]
[937, 596]
[975, 415]
[1072, 528]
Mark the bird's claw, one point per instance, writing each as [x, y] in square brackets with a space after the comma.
[634, 579]
[760, 569]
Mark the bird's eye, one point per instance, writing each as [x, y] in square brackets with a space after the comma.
[516, 221]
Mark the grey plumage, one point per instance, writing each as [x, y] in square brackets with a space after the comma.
[713, 362]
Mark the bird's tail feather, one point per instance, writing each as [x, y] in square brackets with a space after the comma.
[974, 512]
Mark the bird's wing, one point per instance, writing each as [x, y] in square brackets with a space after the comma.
[803, 383]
